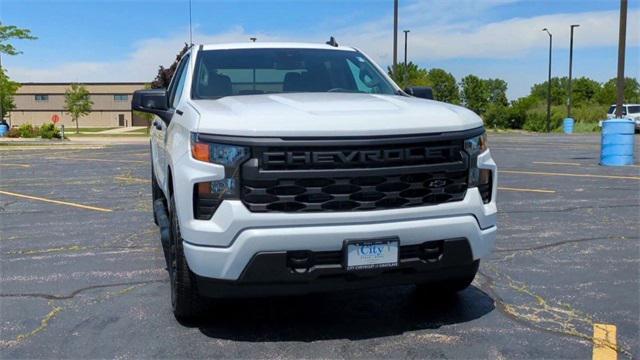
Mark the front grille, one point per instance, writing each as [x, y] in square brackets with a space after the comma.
[354, 193]
[333, 178]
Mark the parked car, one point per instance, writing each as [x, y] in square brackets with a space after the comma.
[629, 111]
[289, 168]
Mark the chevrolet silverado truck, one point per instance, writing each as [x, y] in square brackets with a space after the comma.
[291, 168]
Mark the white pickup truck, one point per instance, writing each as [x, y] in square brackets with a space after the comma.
[287, 168]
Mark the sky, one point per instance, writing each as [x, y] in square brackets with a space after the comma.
[126, 40]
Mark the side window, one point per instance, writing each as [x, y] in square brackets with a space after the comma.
[177, 87]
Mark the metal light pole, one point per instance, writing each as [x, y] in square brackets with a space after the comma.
[621, 48]
[395, 35]
[549, 81]
[406, 72]
[570, 69]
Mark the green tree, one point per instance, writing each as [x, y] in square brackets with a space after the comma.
[559, 88]
[608, 93]
[9, 32]
[497, 91]
[474, 93]
[584, 90]
[8, 88]
[77, 103]
[411, 75]
[444, 86]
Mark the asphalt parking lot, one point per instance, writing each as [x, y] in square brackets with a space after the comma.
[82, 273]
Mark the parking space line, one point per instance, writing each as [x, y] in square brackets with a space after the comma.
[556, 163]
[527, 190]
[604, 342]
[105, 160]
[125, 178]
[570, 175]
[17, 165]
[86, 207]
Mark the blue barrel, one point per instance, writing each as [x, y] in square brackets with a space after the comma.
[3, 130]
[568, 125]
[617, 142]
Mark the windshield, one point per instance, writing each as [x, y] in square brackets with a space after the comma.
[220, 73]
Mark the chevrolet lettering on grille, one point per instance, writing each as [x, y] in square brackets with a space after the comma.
[356, 157]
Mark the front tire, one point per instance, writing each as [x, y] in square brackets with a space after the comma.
[186, 302]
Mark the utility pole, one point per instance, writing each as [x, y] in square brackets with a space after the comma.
[549, 82]
[621, 48]
[190, 27]
[406, 72]
[570, 69]
[395, 35]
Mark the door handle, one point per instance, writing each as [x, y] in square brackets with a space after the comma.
[157, 125]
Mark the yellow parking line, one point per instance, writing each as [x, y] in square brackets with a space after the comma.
[556, 163]
[55, 201]
[18, 165]
[124, 178]
[604, 342]
[527, 190]
[105, 160]
[570, 175]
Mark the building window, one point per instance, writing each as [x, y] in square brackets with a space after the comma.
[40, 97]
[120, 97]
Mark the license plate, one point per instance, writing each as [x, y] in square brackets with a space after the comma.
[371, 254]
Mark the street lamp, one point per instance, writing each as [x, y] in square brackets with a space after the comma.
[549, 81]
[406, 74]
[570, 69]
[395, 36]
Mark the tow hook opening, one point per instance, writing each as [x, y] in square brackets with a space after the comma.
[432, 251]
[300, 262]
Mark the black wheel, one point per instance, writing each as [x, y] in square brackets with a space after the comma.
[156, 193]
[450, 286]
[186, 302]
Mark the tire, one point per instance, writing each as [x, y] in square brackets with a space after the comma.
[450, 286]
[186, 302]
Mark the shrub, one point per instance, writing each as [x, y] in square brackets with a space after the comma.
[13, 133]
[49, 131]
[28, 131]
[590, 113]
[537, 119]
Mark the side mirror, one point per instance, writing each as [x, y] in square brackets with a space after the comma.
[154, 101]
[423, 92]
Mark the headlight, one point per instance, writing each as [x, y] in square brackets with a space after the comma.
[208, 195]
[476, 145]
[480, 178]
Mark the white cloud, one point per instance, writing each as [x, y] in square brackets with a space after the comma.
[439, 30]
[511, 38]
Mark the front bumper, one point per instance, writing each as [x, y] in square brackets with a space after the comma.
[228, 262]
[271, 273]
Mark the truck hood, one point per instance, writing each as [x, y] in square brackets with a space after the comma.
[329, 114]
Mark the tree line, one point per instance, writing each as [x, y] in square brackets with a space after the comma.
[488, 97]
